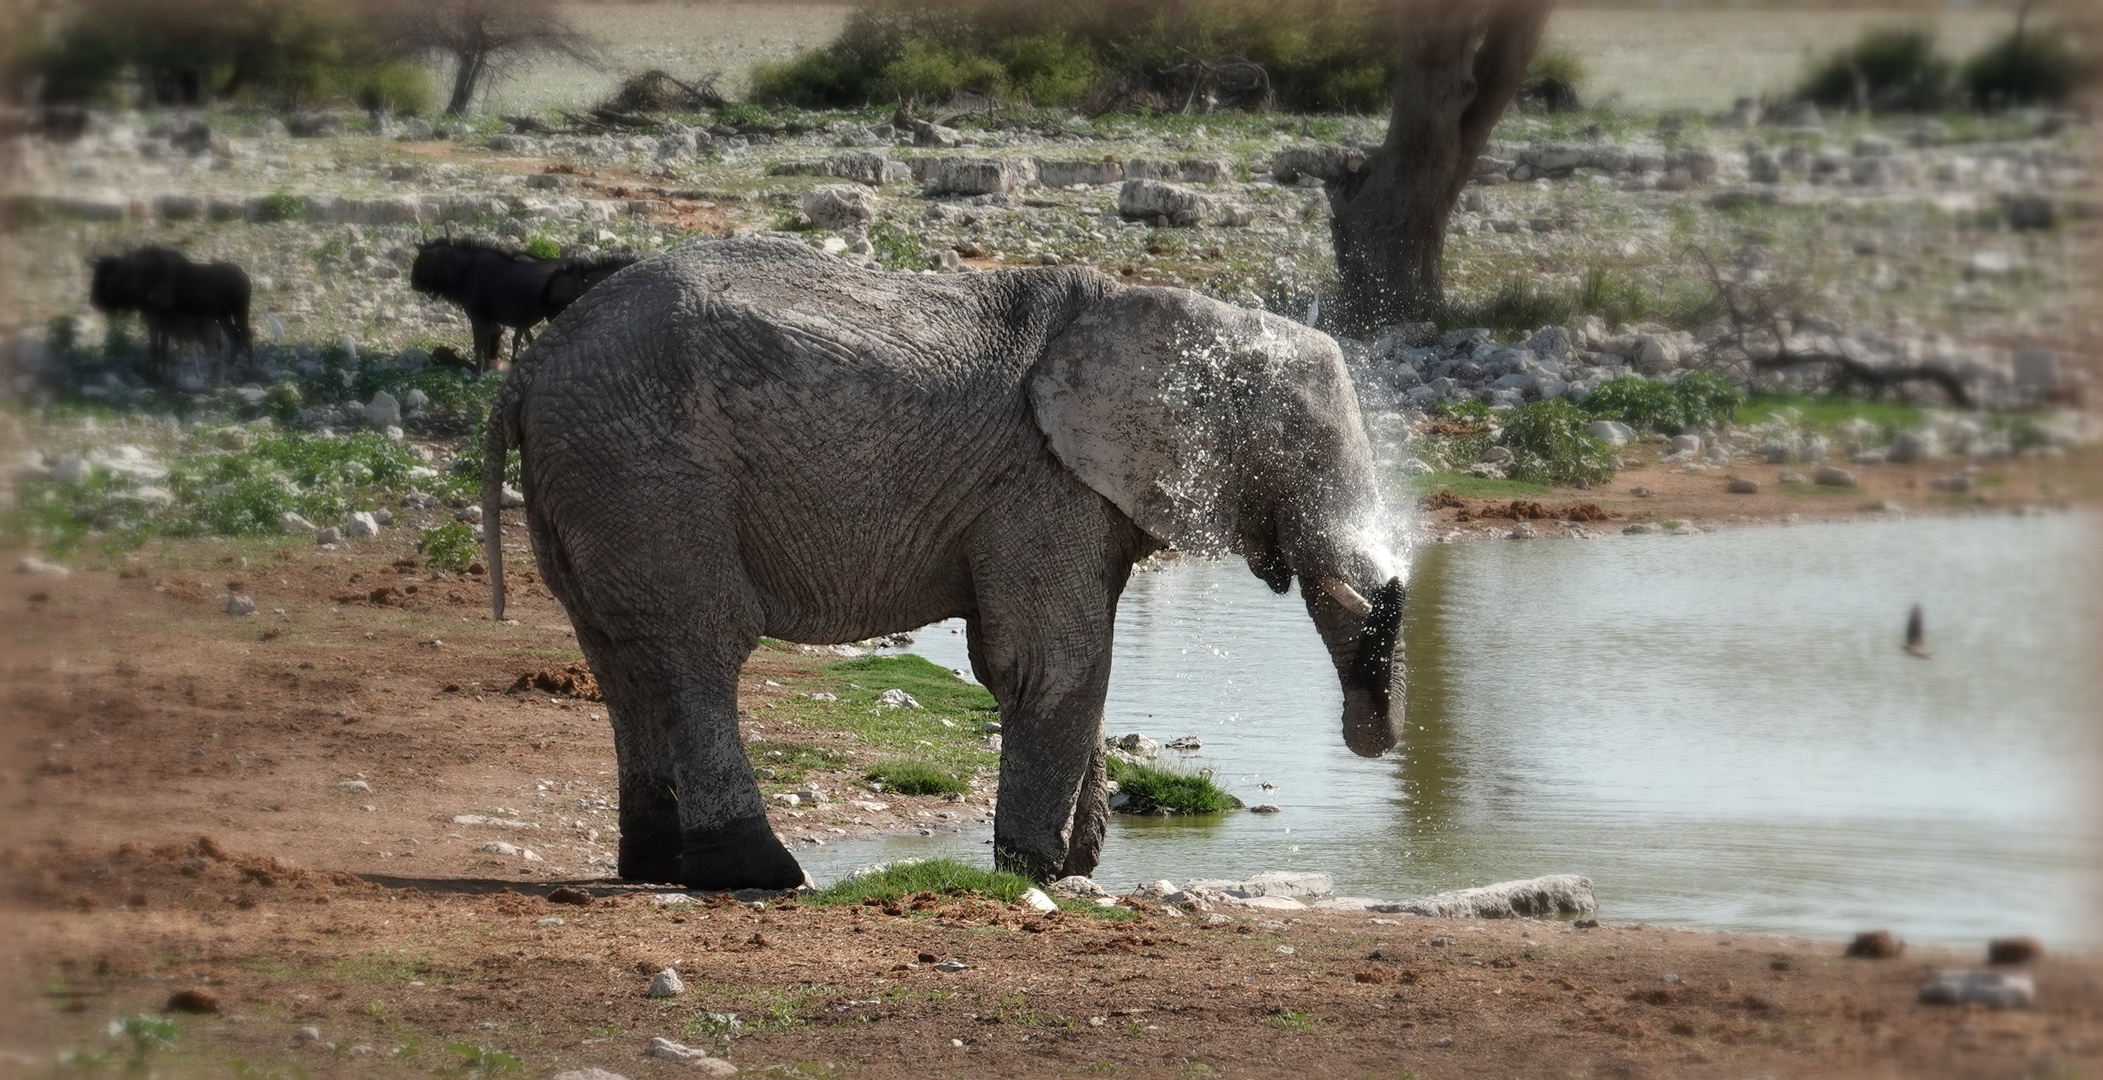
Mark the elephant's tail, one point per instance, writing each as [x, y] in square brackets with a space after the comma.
[501, 434]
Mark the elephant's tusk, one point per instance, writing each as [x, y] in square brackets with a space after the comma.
[1347, 596]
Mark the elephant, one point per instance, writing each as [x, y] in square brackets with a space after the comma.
[750, 437]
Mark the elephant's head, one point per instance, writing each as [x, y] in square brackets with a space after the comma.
[1218, 429]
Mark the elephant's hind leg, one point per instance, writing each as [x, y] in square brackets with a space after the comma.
[649, 810]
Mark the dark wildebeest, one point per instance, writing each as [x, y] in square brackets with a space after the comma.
[496, 288]
[179, 300]
[573, 276]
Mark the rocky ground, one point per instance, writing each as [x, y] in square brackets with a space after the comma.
[300, 837]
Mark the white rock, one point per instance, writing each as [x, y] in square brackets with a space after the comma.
[1274, 903]
[1036, 900]
[492, 822]
[840, 207]
[1077, 887]
[1555, 894]
[1150, 199]
[362, 525]
[383, 411]
[667, 984]
[471, 514]
[785, 799]
[498, 847]
[292, 523]
[33, 565]
[896, 699]
[70, 469]
[240, 605]
[359, 787]
[329, 535]
[665, 1049]
[511, 498]
[1610, 432]
[1993, 989]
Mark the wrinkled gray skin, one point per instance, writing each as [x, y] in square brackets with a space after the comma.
[748, 437]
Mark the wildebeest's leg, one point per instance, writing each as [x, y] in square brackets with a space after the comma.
[489, 336]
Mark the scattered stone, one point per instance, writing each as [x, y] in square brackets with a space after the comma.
[471, 514]
[1186, 744]
[1158, 201]
[1834, 476]
[510, 498]
[666, 984]
[840, 207]
[1555, 894]
[1036, 900]
[1077, 888]
[1743, 485]
[356, 787]
[383, 411]
[1137, 745]
[494, 822]
[572, 897]
[1875, 945]
[896, 699]
[240, 605]
[330, 535]
[1264, 808]
[1639, 528]
[293, 524]
[308, 1034]
[665, 1049]
[2016, 950]
[362, 525]
[983, 176]
[1993, 989]
[788, 800]
[498, 847]
[1522, 531]
[952, 966]
[40, 568]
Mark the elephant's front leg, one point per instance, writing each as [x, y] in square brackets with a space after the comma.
[1050, 673]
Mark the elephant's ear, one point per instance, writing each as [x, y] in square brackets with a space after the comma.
[1153, 398]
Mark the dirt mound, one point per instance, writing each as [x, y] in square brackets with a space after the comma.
[1523, 510]
[575, 681]
[137, 876]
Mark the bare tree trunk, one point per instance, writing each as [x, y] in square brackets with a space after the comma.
[467, 72]
[1462, 63]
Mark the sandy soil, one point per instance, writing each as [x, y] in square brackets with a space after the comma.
[141, 719]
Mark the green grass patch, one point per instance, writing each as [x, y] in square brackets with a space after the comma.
[1522, 303]
[943, 877]
[788, 764]
[1825, 413]
[918, 778]
[1150, 789]
[1696, 399]
[945, 733]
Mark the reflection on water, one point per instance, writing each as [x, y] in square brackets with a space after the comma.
[1720, 729]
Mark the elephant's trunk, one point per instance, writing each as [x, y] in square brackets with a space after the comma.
[1367, 651]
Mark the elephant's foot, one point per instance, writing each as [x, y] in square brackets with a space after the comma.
[649, 850]
[741, 855]
[1040, 867]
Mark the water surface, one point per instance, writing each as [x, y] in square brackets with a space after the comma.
[1721, 729]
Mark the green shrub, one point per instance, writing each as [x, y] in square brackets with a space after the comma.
[943, 877]
[283, 206]
[1318, 55]
[449, 547]
[540, 247]
[400, 89]
[1696, 399]
[1885, 70]
[918, 778]
[2025, 69]
[1149, 789]
[1549, 446]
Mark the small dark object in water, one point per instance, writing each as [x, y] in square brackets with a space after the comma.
[1875, 945]
[2014, 950]
[1917, 636]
